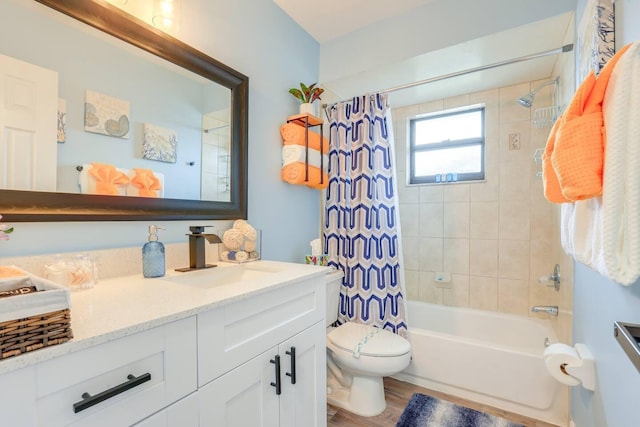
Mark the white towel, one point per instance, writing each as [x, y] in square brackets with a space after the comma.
[621, 189]
[296, 153]
[581, 232]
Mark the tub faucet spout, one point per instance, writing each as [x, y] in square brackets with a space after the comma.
[549, 309]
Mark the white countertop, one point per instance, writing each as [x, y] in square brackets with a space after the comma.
[122, 306]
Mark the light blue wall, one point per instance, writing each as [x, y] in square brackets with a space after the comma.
[598, 302]
[258, 39]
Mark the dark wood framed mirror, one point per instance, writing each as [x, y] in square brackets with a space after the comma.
[32, 206]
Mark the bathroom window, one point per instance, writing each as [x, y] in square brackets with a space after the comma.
[447, 146]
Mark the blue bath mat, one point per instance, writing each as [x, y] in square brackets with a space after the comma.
[427, 411]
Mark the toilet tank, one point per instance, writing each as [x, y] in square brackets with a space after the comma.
[334, 281]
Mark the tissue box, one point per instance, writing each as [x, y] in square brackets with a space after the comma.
[316, 259]
[31, 319]
[239, 248]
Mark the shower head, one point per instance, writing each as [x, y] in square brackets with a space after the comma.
[527, 100]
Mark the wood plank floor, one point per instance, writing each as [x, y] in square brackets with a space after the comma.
[398, 394]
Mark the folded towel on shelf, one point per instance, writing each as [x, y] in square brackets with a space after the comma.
[100, 178]
[145, 183]
[621, 193]
[574, 155]
[294, 173]
[295, 134]
[296, 153]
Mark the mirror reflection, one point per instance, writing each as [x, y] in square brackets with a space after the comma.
[89, 114]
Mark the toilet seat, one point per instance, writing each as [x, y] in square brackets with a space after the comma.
[365, 340]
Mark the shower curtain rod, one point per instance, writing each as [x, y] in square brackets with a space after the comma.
[562, 49]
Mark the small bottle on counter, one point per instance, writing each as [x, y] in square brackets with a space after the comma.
[153, 255]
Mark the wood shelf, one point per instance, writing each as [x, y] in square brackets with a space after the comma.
[305, 119]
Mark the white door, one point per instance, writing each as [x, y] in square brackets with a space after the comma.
[305, 402]
[242, 397]
[28, 126]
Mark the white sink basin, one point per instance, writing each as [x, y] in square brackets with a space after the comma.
[219, 276]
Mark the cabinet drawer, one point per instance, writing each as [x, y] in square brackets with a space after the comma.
[166, 353]
[231, 335]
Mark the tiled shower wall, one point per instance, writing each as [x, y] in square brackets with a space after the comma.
[497, 237]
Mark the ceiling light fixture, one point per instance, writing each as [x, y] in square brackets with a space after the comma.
[166, 14]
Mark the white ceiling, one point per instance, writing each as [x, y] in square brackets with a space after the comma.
[335, 18]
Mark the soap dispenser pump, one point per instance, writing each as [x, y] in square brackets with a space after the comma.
[153, 255]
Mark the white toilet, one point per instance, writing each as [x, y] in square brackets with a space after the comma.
[358, 356]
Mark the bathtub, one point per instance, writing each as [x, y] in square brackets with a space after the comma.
[486, 357]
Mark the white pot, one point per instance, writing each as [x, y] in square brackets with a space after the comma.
[308, 108]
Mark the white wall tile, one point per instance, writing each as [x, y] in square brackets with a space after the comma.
[412, 285]
[513, 296]
[514, 180]
[514, 220]
[510, 110]
[458, 294]
[431, 217]
[483, 257]
[409, 219]
[408, 194]
[431, 194]
[431, 106]
[456, 256]
[456, 220]
[483, 220]
[431, 254]
[456, 101]
[428, 291]
[483, 293]
[410, 251]
[513, 259]
[456, 192]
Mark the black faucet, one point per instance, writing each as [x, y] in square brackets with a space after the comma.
[196, 248]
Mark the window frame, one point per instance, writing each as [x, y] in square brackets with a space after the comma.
[446, 144]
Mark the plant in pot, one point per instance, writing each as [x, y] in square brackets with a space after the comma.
[307, 95]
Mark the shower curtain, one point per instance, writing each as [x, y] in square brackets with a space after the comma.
[361, 228]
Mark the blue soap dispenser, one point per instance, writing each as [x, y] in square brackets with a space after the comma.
[153, 254]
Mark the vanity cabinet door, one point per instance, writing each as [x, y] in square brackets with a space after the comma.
[235, 333]
[305, 402]
[18, 401]
[242, 397]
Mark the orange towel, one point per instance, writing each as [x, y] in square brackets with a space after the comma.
[573, 161]
[8, 271]
[294, 173]
[294, 134]
[146, 182]
[107, 178]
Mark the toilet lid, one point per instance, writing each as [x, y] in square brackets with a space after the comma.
[368, 341]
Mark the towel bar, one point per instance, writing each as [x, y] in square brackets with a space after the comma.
[628, 336]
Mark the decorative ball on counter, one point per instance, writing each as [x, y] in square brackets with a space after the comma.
[241, 256]
[233, 239]
[250, 245]
[224, 255]
[232, 255]
[254, 255]
[247, 230]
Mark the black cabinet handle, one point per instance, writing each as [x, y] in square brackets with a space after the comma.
[88, 401]
[277, 384]
[292, 374]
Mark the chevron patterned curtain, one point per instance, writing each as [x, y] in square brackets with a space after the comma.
[361, 230]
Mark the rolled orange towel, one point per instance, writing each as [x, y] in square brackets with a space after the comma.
[294, 173]
[295, 134]
[107, 178]
[146, 182]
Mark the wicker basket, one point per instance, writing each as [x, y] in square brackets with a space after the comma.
[34, 320]
[23, 335]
